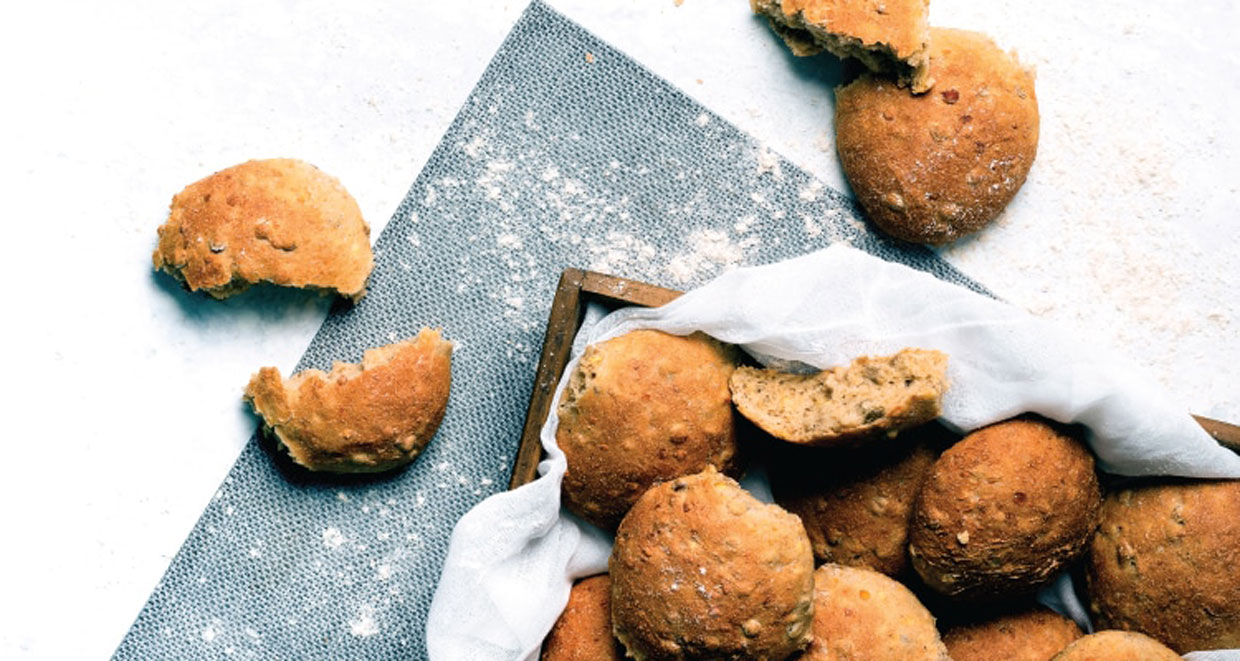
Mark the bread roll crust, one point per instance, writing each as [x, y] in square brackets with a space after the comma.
[856, 506]
[281, 221]
[703, 570]
[936, 167]
[583, 630]
[639, 409]
[1165, 561]
[1116, 646]
[1035, 634]
[862, 615]
[1004, 510]
[364, 418]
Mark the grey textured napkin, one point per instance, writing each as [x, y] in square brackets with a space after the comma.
[567, 153]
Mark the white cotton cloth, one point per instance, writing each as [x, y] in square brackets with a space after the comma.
[513, 557]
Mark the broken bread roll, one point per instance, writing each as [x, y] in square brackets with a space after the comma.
[365, 418]
[872, 396]
[885, 35]
[936, 167]
[280, 221]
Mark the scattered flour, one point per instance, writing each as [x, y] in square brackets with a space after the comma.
[333, 538]
[364, 624]
[709, 251]
[702, 119]
[768, 163]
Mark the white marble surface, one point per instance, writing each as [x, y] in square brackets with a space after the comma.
[124, 411]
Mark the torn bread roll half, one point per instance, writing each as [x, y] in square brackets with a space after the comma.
[279, 221]
[887, 36]
[365, 418]
[873, 396]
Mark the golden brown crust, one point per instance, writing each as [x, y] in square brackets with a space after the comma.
[933, 168]
[1166, 562]
[643, 408]
[281, 221]
[359, 418]
[872, 396]
[856, 506]
[862, 615]
[1116, 646]
[583, 632]
[703, 570]
[1004, 510]
[1031, 635]
[886, 35]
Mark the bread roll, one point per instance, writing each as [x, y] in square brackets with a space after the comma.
[1034, 634]
[703, 570]
[640, 409]
[936, 167]
[583, 631]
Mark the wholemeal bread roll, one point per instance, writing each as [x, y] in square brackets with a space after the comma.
[643, 408]
[936, 167]
[1004, 510]
[359, 418]
[1116, 646]
[1166, 562]
[887, 35]
[862, 615]
[856, 505]
[703, 570]
[1036, 634]
[583, 632]
[281, 221]
[873, 396]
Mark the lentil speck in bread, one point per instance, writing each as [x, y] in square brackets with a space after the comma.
[365, 418]
[872, 396]
[700, 569]
[936, 167]
[885, 35]
[1165, 561]
[640, 409]
[280, 221]
[1004, 510]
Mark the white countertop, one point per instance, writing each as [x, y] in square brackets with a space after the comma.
[125, 411]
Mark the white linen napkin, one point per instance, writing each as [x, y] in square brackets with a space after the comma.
[513, 557]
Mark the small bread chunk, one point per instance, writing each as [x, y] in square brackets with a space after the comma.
[1004, 510]
[703, 570]
[936, 167]
[1165, 561]
[364, 418]
[862, 615]
[280, 221]
[886, 35]
[1036, 634]
[643, 408]
[1116, 646]
[870, 397]
[583, 632]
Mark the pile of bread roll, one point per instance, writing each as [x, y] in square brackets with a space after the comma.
[926, 545]
[939, 135]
